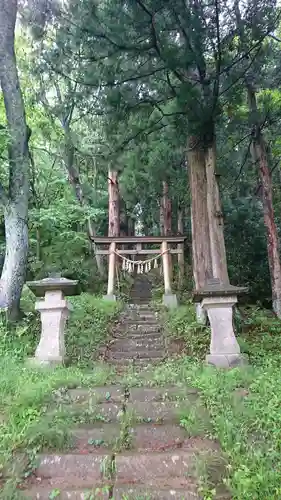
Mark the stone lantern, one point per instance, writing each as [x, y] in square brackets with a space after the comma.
[54, 311]
[218, 299]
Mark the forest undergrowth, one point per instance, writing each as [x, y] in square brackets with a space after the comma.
[244, 404]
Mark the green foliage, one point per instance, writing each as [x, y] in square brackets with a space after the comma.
[260, 336]
[88, 328]
[244, 403]
[27, 392]
[181, 325]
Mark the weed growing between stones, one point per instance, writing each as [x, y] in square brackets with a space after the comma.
[124, 440]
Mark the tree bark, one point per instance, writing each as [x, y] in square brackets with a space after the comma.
[217, 245]
[166, 220]
[260, 159]
[180, 247]
[16, 203]
[74, 179]
[201, 251]
[113, 204]
[161, 218]
[166, 210]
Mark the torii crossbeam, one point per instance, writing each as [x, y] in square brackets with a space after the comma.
[163, 251]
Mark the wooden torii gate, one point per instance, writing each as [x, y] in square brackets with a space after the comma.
[163, 251]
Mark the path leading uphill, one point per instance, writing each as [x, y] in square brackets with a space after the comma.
[129, 444]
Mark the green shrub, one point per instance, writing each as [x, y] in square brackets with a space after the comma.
[88, 327]
[181, 324]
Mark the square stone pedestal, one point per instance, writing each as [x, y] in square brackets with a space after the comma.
[224, 348]
[111, 298]
[170, 300]
[54, 312]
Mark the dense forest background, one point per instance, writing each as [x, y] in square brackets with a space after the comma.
[119, 98]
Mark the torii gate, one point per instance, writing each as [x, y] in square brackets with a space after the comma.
[169, 299]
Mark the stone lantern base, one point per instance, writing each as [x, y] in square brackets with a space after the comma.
[224, 348]
[170, 300]
[217, 300]
[227, 360]
[54, 312]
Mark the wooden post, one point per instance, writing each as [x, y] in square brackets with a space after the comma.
[166, 268]
[111, 270]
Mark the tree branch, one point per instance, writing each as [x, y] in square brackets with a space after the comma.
[242, 165]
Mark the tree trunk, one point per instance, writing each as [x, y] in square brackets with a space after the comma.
[113, 204]
[161, 218]
[180, 247]
[14, 270]
[166, 210]
[166, 220]
[131, 226]
[217, 245]
[16, 205]
[74, 179]
[201, 251]
[260, 159]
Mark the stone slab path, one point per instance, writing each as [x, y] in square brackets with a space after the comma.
[128, 444]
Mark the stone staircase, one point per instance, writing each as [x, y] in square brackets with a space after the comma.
[137, 339]
[128, 443]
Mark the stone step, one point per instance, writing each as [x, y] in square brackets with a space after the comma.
[142, 437]
[142, 411]
[139, 307]
[158, 394]
[115, 393]
[158, 411]
[130, 492]
[140, 301]
[135, 335]
[142, 314]
[44, 491]
[137, 354]
[133, 319]
[126, 345]
[137, 322]
[135, 328]
[74, 471]
[138, 363]
[147, 337]
[156, 470]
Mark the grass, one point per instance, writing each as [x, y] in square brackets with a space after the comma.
[26, 393]
[243, 404]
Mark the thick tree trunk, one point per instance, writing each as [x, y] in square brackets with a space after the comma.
[201, 251]
[260, 160]
[180, 247]
[217, 245]
[14, 270]
[16, 205]
[113, 204]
